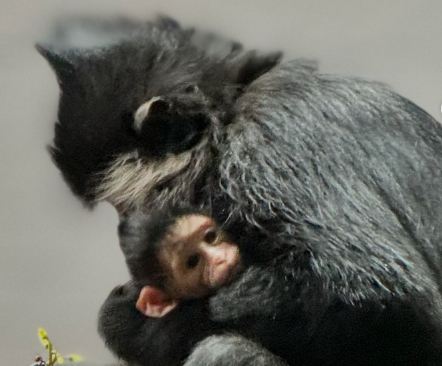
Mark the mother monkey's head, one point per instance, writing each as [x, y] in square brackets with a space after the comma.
[142, 118]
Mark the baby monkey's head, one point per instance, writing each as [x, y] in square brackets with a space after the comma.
[179, 255]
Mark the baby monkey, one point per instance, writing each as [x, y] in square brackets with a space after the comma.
[185, 256]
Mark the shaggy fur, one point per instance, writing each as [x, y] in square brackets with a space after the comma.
[339, 176]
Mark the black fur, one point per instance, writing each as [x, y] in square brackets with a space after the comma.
[340, 175]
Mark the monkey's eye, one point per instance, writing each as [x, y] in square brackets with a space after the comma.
[193, 261]
[210, 236]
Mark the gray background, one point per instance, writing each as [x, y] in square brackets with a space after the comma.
[58, 261]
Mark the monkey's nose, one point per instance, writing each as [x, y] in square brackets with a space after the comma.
[155, 105]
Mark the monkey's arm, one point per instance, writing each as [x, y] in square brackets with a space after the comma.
[169, 340]
[151, 341]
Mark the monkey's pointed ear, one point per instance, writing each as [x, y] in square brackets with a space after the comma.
[250, 66]
[154, 302]
[61, 61]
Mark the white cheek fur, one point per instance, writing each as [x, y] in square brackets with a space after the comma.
[129, 179]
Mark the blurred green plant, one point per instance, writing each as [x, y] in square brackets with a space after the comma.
[54, 357]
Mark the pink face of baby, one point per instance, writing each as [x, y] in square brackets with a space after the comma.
[197, 258]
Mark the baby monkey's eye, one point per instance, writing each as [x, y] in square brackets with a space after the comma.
[193, 261]
[210, 236]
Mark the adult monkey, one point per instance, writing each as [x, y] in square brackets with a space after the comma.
[337, 179]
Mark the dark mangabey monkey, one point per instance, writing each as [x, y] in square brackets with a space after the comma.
[344, 173]
[181, 256]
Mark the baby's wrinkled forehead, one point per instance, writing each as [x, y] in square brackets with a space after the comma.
[188, 227]
[181, 237]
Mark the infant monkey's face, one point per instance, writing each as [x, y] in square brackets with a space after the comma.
[198, 257]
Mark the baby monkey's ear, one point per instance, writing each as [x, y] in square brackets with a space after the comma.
[154, 302]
